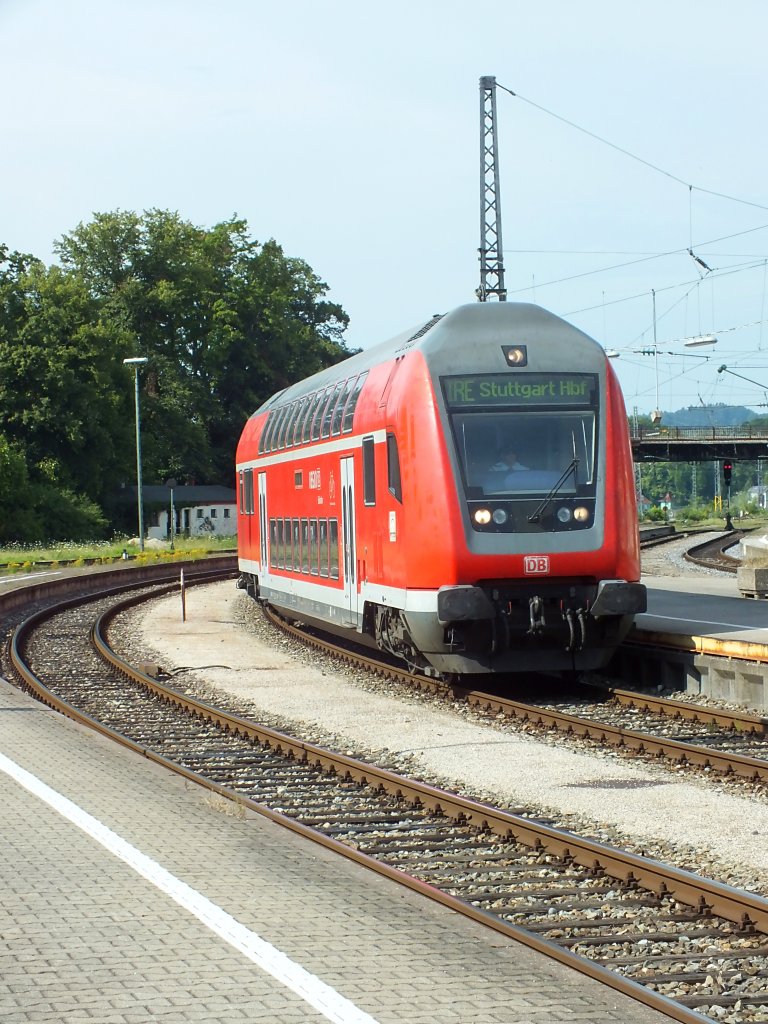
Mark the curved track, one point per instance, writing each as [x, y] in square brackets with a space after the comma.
[715, 732]
[652, 931]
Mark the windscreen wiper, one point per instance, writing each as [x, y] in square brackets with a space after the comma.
[544, 505]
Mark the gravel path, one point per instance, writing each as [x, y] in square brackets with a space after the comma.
[667, 559]
[228, 647]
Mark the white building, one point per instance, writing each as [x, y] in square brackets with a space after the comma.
[198, 511]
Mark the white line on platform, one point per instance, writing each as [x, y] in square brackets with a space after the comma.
[29, 576]
[310, 988]
[704, 622]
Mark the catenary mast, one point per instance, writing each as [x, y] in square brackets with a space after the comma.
[491, 252]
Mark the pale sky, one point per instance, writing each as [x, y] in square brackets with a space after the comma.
[349, 132]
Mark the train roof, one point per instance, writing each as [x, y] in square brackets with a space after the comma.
[449, 334]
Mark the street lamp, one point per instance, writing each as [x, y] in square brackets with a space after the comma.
[656, 414]
[724, 369]
[170, 484]
[136, 362]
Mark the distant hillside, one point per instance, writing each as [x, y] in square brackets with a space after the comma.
[711, 416]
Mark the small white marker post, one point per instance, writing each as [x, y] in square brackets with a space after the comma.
[183, 597]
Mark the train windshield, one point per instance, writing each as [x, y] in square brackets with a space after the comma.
[516, 453]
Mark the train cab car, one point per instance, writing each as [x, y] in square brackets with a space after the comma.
[461, 497]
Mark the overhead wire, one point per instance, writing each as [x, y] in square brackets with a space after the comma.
[704, 269]
[632, 156]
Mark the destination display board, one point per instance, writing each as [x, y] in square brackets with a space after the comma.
[519, 389]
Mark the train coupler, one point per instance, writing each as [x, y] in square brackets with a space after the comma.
[536, 616]
[576, 620]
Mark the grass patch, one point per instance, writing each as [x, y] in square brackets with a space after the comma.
[26, 558]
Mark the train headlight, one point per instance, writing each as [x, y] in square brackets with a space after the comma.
[564, 515]
[482, 516]
[499, 516]
[515, 355]
[581, 514]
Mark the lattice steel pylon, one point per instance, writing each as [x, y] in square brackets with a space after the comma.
[491, 252]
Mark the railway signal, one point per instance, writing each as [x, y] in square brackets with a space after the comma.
[727, 470]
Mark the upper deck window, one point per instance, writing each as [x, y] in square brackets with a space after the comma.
[349, 408]
[317, 421]
[338, 412]
[298, 427]
[328, 413]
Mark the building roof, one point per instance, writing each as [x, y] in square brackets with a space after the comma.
[184, 494]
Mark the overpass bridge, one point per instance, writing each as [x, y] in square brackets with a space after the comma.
[698, 444]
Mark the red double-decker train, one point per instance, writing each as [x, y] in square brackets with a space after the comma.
[461, 496]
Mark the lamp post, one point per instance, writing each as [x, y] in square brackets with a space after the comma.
[656, 414]
[170, 484]
[136, 362]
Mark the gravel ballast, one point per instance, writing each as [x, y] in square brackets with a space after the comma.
[225, 645]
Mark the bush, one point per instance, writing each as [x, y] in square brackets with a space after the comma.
[656, 514]
[694, 514]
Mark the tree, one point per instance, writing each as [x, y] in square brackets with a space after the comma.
[224, 321]
[58, 380]
[34, 512]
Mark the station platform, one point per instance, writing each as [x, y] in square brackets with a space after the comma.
[131, 896]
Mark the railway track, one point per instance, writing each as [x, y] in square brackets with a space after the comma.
[713, 554]
[732, 744]
[682, 944]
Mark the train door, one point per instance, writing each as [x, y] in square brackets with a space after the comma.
[263, 525]
[348, 539]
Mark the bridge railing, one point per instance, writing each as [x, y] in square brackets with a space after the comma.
[659, 433]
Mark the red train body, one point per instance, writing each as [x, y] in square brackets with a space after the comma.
[374, 497]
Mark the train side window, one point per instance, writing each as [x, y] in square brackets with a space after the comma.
[304, 545]
[338, 411]
[273, 543]
[290, 424]
[369, 472]
[281, 430]
[288, 545]
[266, 434]
[328, 414]
[317, 422]
[298, 425]
[323, 547]
[276, 429]
[314, 546]
[393, 468]
[349, 409]
[248, 492]
[317, 411]
[313, 403]
[333, 547]
[274, 439]
[241, 490]
[280, 544]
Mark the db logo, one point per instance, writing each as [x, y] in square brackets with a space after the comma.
[534, 565]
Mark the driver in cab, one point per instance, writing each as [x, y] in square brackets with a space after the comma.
[507, 462]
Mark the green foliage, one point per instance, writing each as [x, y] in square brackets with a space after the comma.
[13, 558]
[225, 322]
[656, 514]
[38, 510]
[693, 514]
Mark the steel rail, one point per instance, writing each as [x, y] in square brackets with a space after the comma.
[744, 721]
[639, 742]
[712, 553]
[748, 911]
